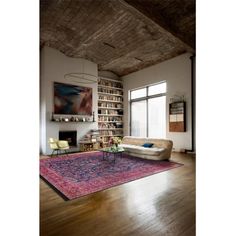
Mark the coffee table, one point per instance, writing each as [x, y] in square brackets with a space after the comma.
[112, 151]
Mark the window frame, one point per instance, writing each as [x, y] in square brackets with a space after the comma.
[147, 97]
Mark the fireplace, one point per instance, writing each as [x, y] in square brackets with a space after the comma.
[70, 136]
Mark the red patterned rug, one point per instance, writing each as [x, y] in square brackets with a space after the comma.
[77, 175]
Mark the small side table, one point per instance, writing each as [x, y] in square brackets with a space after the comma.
[86, 146]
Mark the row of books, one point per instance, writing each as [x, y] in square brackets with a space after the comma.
[107, 118]
[110, 112]
[111, 91]
[110, 83]
[109, 125]
[109, 105]
[110, 98]
[111, 132]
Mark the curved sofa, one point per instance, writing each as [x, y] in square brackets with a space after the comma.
[161, 149]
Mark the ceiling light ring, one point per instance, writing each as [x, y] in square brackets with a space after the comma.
[81, 77]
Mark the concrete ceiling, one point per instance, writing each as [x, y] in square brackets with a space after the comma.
[121, 36]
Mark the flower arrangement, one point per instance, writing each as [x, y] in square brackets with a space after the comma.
[114, 141]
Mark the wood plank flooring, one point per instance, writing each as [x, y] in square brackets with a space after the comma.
[161, 204]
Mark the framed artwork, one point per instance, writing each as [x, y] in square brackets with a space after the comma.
[177, 117]
[72, 99]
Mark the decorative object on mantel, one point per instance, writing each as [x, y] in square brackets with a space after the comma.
[76, 120]
[52, 118]
[58, 118]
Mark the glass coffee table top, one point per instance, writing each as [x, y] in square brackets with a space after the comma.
[113, 149]
[109, 151]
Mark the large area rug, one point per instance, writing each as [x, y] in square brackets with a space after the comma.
[80, 174]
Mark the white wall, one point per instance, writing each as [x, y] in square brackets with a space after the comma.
[177, 73]
[54, 65]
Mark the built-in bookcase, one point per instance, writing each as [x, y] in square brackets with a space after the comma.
[110, 108]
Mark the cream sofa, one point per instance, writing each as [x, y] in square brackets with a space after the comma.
[161, 149]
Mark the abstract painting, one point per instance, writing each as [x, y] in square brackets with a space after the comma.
[72, 99]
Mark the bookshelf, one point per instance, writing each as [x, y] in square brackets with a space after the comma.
[110, 109]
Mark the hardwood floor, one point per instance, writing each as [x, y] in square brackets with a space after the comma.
[161, 204]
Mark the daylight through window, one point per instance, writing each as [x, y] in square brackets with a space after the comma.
[148, 111]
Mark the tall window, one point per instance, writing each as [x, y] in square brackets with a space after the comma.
[148, 111]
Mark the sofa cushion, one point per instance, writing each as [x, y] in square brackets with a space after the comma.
[153, 151]
[147, 145]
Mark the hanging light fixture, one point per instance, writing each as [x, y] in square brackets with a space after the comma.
[81, 77]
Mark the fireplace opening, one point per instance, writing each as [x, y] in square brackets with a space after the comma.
[70, 136]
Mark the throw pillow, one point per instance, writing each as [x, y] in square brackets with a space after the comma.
[148, 145]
